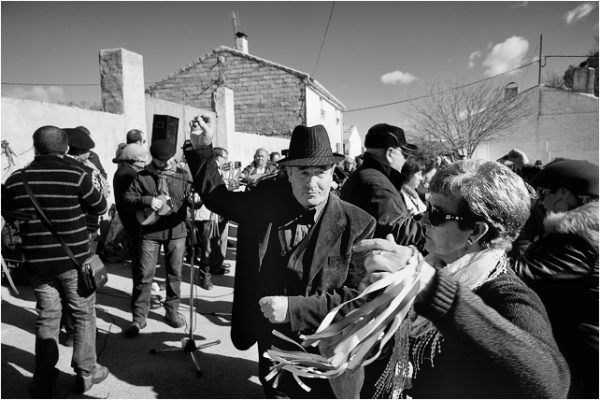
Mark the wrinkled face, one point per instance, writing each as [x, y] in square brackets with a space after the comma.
[349, 165]
[311, 185]
[445, 241]
[395, 158]
[260, 158]
[557, 200]
[415, 180]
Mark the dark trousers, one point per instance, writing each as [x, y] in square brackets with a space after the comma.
[143, 274]
[211, 246]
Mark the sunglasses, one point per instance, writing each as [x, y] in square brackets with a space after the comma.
[543, 192]
[437, 216]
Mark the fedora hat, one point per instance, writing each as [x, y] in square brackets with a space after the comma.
[310, 146]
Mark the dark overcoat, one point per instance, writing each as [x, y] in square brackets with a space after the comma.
[320, 272]
[375, 188]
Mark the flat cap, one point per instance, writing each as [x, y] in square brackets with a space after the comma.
[162, 149]
[79, 139]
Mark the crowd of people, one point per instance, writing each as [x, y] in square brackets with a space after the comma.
[507, 304]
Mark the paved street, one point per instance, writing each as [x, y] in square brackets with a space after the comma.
[135, 372]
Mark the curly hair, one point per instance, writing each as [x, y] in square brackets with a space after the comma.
[487, 191]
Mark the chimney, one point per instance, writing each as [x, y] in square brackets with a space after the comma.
[511, 90]
[583, 79]
[241, 42]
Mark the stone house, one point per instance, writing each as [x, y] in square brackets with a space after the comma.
[269, 99]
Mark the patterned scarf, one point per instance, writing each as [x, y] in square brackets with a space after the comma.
[471, 270]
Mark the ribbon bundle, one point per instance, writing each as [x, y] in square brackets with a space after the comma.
[358, 338]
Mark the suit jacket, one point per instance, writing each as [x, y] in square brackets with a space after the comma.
[320, 272]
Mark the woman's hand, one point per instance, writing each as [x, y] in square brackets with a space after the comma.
[384, 257]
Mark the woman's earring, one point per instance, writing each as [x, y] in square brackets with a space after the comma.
[469, 242]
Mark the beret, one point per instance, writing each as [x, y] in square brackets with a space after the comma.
[162, 149]
[79, 139]
[579, 176]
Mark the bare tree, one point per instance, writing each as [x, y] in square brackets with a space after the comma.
[463, 118]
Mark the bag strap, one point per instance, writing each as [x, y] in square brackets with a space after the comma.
[47, 222]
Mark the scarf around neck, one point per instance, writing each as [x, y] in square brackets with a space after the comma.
[417, 334]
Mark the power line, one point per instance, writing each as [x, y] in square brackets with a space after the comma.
[50, 84]
[443, 91]
[323, 41]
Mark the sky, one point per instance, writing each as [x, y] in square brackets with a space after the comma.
[373, 53]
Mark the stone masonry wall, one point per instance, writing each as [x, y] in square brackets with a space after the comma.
[268, 101]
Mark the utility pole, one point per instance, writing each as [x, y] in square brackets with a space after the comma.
[540, 63]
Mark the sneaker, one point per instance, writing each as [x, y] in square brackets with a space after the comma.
[174, 320]
[83, 383]
[134, 329]
[43, 390]
[204, 280]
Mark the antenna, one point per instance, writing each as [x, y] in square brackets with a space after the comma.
[234, 21]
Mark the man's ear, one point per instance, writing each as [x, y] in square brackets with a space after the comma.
[479, 230]
[389, 154]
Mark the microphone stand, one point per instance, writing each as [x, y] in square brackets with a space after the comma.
[188, 344]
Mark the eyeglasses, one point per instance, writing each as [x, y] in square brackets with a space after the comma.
[437, 216]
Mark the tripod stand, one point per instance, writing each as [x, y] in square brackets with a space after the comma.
[188, 344]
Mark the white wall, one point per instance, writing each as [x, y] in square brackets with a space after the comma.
[332, 120]
[20, 118]
[567, 127]
[243, 145]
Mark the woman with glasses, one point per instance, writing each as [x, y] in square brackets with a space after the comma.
[475, 329]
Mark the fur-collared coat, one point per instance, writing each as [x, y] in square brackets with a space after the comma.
[562, 267]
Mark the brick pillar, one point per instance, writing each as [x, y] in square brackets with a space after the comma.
[122, 86]
[223, 106]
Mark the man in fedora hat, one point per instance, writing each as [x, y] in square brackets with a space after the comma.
[294, 250]
[375, 185]
[163, 189]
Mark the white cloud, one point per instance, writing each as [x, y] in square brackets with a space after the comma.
[473, 57]
[579, 12]
[398, 78]
[39, 93]
[506, 55]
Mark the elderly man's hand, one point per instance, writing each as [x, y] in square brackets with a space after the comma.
[275, 309]
[202, 130]
[156, 204]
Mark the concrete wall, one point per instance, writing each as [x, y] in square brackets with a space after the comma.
[20, 118]
[122, 82]
[567, 126]
[353, 143]
[269, 100]
[245, 144]
[319, 110]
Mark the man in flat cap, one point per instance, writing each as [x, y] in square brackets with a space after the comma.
[294, 255]
[562, 266]
[375, 186]
[160, 195]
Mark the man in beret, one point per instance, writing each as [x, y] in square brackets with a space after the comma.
[375, 186]
[160, 195]
[562, 266]
[294, 254]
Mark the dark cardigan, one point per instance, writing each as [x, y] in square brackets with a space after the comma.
[497, 343]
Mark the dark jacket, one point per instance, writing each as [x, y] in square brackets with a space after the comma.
[562, 267]
[497, 343]
[145, 187]
[319, 273]
[65, 193]
[122, 179]
[375, 188]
